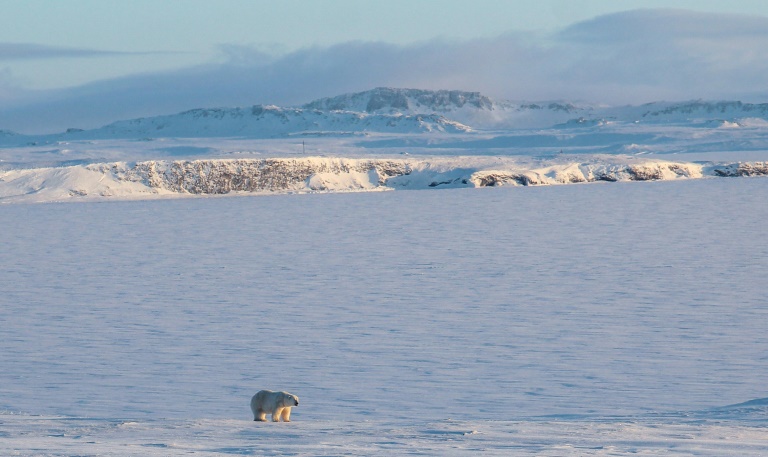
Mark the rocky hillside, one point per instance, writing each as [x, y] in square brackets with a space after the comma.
[390, 100]
[154, 178]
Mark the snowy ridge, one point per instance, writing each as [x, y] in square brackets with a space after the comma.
[407, 111]
[742, 169]
[706, 109]
[482, 112]
[256, 122]
[390, 110]
[224, 176]
[271, 121]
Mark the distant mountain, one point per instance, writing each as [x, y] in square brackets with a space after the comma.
[703, 109]
[481, 112]
[470, 108]
[271, 121]
[389, 100]
[407, 111]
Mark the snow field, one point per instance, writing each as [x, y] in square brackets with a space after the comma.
[570, 320]
[57, 436]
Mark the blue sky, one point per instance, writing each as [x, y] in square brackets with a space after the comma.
[88, 62]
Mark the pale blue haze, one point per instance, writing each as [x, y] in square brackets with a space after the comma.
[86, 63]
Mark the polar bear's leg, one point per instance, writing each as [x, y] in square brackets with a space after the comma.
[258, 413]
[276, 414]
[286, 414]
[256, 407]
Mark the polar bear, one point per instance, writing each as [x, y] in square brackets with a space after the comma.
[278, 404]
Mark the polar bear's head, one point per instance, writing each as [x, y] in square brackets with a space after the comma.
[290, 400]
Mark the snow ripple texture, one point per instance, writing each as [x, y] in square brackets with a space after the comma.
[593, 320]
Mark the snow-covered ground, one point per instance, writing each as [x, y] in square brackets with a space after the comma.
[600, 319]
[530, 317]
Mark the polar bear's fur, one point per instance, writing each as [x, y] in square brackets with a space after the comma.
[278, 404]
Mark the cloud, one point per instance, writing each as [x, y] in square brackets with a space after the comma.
[631, 57]
[28, 51]
[667, 54]
[663, 25]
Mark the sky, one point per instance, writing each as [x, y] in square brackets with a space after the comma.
[85, 63]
